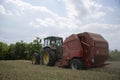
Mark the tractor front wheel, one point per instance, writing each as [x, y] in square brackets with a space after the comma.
[76, 64]
[35, 58]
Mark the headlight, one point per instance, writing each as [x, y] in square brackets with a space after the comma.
[93, 60]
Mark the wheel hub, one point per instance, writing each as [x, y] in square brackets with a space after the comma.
[46, 58]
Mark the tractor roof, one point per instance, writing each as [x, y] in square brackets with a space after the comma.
[53, 37]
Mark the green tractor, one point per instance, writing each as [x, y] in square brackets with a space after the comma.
[50, 53]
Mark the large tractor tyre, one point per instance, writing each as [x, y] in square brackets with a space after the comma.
[41, 58]
[35, 58]
[49, 57]
[76, 64]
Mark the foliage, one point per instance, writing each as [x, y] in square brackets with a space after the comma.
[19, 50]
[115, 55]
[22, 50]
[3, 50]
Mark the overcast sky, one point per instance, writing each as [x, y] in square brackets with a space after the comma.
[27, 19]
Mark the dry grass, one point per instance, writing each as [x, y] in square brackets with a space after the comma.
[24, 70]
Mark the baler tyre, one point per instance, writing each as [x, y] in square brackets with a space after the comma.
[35, 58]
[76, 64]
[49, 57]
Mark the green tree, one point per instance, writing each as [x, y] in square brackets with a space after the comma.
[33, 47]
[37, 45]
[29, 51]
[3, 51]
[11, 51]
[115, 55]
[20, 49]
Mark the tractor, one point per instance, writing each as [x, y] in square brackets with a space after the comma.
[76, 52]
[50, 53]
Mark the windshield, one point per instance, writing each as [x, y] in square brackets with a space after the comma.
[53, 42]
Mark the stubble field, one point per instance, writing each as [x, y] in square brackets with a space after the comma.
[24, 70]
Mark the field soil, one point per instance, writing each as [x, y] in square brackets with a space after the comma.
[24, 70]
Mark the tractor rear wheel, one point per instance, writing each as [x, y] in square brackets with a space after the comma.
[76, 64]
[49, 57]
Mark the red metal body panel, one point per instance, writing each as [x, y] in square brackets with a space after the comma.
[96, 50]
[71, 48]
[90, 48]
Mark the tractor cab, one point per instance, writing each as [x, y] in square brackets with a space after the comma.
[52, 50]
[53, 42]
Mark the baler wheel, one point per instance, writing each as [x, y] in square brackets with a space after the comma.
[76, 64]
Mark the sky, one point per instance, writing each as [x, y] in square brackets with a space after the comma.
[27, 19]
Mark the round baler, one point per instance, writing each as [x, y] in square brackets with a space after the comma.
[77, 51]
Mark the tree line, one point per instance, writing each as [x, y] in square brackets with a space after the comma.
[19, 50]
[114, 55]
[22, 50]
